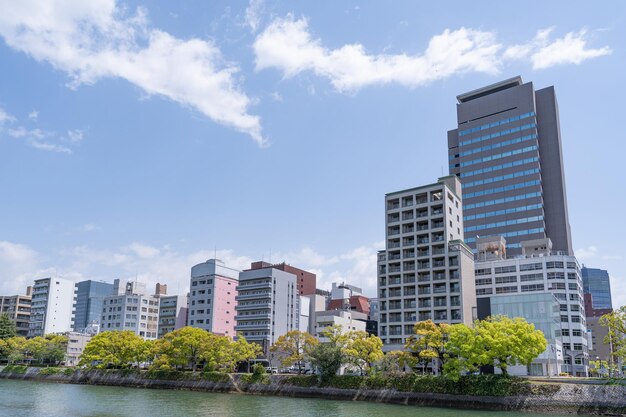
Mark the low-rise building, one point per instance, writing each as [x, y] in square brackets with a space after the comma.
[17, 307]
[348, 320]
[76, 342]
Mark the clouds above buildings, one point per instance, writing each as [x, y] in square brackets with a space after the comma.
[288, 45]
[99, 39]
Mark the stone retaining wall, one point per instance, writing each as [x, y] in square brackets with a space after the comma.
[568, 399]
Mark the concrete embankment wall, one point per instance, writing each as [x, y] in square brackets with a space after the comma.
[566, 399]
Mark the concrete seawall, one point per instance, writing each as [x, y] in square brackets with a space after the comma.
[565, 399]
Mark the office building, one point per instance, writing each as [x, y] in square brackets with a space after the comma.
[76, 342]
[597, 284]
[268, 305]
[212, 298]
[17, 307]
[172, 313]
[51, 307]
[309, 306]
[426, 271]
[133, 310]
[538, 269]
[507, 152]
[542, 309]
[88, 298]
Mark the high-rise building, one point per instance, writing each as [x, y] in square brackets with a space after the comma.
[212, 298]
[18, 309]
[596, 282]
[426, 271]
[307, 281]
[507, 152]
[268, 305]
[348, 297]
[537, 270]
[133, 310]
[172, 313]
[51, 307]
[88, 298]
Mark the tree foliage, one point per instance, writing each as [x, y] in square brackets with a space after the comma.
[615, 322]
[429, 342]
[292, 348]
[362, 349]
[7, 327]
[116, 349]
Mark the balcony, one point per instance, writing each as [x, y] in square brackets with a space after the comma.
[253, 295]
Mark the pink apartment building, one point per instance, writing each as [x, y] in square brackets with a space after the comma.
[212, 302]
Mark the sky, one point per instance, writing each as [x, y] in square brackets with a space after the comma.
[140, 138]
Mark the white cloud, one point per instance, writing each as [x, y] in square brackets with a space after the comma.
[97, 39]
[276, 96]
[35, 138]
[583, 254]
[90, 227]
[75, 135]
[33, 115]
[544, 53]
[20, 265]
[253, 14]
[5, 117]
[287, 45]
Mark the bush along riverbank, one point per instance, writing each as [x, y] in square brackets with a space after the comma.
[487, 392]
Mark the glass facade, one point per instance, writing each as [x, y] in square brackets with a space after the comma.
[597, 283]
[540, 309]
[88, 302]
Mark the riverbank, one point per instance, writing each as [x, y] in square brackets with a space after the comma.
[541, 398]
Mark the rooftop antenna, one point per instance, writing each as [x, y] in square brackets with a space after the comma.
[214, 252]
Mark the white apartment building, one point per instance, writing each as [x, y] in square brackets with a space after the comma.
[213, 288]
[51, 307]
[132, 311]
[426, 271]
[268, 305]
[538, 270]
[348, 320]
[75, 346]
[172, 313]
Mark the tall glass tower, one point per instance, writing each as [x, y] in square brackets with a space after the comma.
[507, 152]
[597, 283]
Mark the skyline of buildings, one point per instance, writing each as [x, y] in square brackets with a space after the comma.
[505, 196]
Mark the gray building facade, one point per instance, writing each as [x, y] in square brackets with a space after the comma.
[88, 297]
[507, 152]
[597, 283]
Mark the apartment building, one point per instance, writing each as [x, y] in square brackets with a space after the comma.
[133, 310]
[51, 307]
[538, 269]
[18, 309]
[212, 297]
[507, 152]
[172, 313]
[268, 305]
[426, 271]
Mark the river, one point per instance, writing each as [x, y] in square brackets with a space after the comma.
[41, 399]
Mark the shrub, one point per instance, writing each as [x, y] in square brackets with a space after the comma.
[217, 377]
[15, 369]
[300, 380]
[50, 371]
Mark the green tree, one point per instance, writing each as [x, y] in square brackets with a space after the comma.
[615, 322]
[363, 350]
[16, 349]
[327, 358]
[242, 351]
[36, 348]
[7, 327]
[429, 342]
[292, 348]
[4, 350]
[186, 346]
[463, 353]
[117, 349]
[502, 341]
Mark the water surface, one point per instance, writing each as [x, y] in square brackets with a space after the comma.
[35, 399]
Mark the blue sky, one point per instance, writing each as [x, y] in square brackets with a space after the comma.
[139, 138]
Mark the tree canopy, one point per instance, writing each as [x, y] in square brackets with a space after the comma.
[7, 327]
[292, 348]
